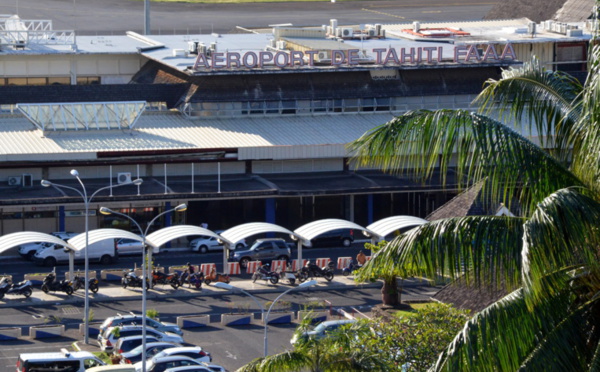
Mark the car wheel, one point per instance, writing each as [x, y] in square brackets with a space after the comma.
[244, 262]
[203, 249]
[105, 260]
[69, 291]
[45, 288]
[27, 292]
[239, 246]
[328, 276]
[274, 280]
[50, 261]
[30, 255]
[346, 242]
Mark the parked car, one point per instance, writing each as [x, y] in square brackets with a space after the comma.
[334, 238]
[204, 244]
[28, 250]
[194, 352]
[152, 348]
[161, 364]
[133, 319]
[211, 367]
[64, 235]
[102, 251]
[127, 246]
[112, 368]
[63, 360]
[108, 339]
[263, 250]
[322, 330]
[126, 344]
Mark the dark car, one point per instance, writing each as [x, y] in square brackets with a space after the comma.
[334, 238]
[263, 250]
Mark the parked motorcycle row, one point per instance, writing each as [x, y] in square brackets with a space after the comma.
[188, 276]
[310, 271]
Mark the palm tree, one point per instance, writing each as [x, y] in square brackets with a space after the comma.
[335, 353]
[550, 255]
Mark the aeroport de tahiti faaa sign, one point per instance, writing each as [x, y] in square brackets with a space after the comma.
[351, 57]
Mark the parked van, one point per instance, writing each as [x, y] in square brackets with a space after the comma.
[64, 361]
[103, 251]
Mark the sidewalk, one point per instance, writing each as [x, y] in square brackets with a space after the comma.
[114, 292]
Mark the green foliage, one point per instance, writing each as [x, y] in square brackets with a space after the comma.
[52, 319]
[238, 307]
[412, 344]
[280, 305]
[116, 331]
[152, 313]
[314, 305]
[90, 316]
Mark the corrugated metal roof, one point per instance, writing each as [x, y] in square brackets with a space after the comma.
[173, 131]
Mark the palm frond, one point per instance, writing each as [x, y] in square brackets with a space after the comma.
[507, 334]
[546, 99]
[563, 232]
[286, 361]
[423, 141]
[483, 249]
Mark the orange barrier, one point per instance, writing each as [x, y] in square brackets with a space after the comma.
[234, 268]
[322, 262]
[207, 268]
[343, 262]
[278, 265]
[252, 266]
[296, 267]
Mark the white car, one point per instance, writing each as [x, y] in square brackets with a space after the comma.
[211, 367]
[205, 244]
[109, 338]
[161, 364]
[194, 352]
[28, 250]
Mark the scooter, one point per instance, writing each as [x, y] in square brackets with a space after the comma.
[264, 273]
[51, 284]
[162, 278]
[131, 280]
[24, 288]
[195, 279]
[311, 270]
[79, 282]
[216, 277]
[351, 268]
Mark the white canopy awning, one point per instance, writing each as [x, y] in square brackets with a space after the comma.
[313, 229]
[167, 234]
[388, 225]
[78, 241]
[12, 240]
[239, 232]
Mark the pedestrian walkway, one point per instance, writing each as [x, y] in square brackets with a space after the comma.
[114, 292]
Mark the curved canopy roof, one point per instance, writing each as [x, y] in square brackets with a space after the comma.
[167, 234]
[388, 225]
[237, 233]
[78, 242]
[12, 240]
[313, 229]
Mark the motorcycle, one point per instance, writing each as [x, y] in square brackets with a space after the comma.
[51, 284]
[264, 273]
[216, 277]
[351, 268]
[159, 277]
[195, 279]
[8, 287]
[131, 280]
[79, 282]
[311, 270]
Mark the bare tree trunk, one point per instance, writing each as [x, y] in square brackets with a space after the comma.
[390, 295]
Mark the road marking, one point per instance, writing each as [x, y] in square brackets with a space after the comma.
[431, 5]
[382, 13]
[70, 310]
[432, 11]
[229, 355]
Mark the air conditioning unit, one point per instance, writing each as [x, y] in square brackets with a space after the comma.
[347, 32]
[124, 177]
[14, 181]
[322, 56]
[27, 180]
[192, 47]
[372, 32]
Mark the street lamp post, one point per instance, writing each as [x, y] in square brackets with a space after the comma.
[223, 285]
[106, 211]
[86, 202]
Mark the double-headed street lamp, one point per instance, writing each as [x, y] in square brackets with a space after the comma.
[86, 201]
[106, 211]
[223, 285]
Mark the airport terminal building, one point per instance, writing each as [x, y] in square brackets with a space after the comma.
[243, 127]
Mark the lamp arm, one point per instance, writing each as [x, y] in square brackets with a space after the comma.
[275, 301]
[156, 218]
[129, 218]
[106, 188]
[59, 186]
[262, 309]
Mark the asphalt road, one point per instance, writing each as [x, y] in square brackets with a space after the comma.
[117, 16]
